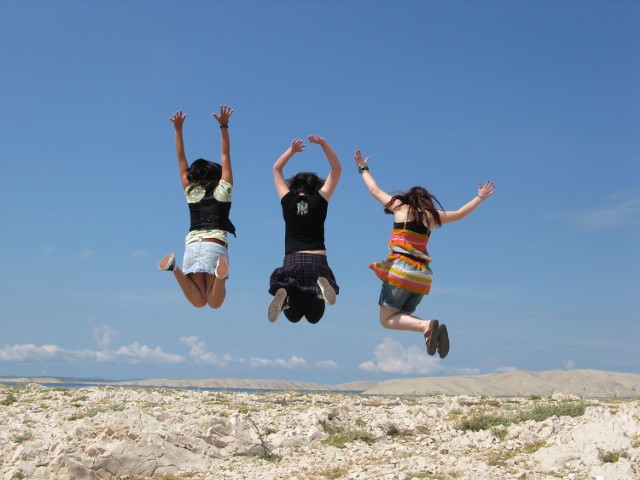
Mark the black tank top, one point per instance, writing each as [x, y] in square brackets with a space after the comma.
[304, 218]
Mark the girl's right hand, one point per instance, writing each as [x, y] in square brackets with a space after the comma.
[297, 145]
[178, 119]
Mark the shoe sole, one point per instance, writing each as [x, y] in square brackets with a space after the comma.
[166, 262]
[327, 291]
[443, 341]
[432, 341]
[275, 307]
[222, 266]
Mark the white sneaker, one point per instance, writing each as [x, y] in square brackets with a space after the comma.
[168, 262]
[327, 291]
[275, 307]
[222, 268]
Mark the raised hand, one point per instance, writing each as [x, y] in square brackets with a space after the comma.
[316, 139]
[224, 115]
[297, 145]
[486, 191]
[178, 119]
[360, 163]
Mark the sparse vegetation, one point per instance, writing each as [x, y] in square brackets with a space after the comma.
[499, 432]
[332, 473]
[9, 399]
[538, 413]
[339, 435]
[269, 456]
[534, 446]
[266, 454]
[500, 458]
[22, 437]
[92, 412]
[610, 457]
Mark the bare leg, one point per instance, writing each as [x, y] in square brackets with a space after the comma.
[216, 284]
[193, 286]
[403, 321]
[217, 291]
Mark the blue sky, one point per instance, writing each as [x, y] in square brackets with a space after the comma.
[541, 97]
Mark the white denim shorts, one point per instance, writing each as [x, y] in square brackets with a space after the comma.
[202, 257]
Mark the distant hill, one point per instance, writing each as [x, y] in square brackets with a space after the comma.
[584, 383]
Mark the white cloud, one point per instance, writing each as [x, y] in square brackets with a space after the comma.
[139, 254]
[134, 353]
[619, 209]
[326, 364]
[199, 352]
[391, 357]
[139, 354]
[293, 362]
[29, 353]
[570, 364]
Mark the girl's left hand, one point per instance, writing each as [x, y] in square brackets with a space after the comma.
[225, 114]
[359, 161]
[486, 191]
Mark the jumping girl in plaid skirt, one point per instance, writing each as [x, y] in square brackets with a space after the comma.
[304, 282]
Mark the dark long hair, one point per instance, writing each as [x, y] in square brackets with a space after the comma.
[305, 182]
[203, 172]
[419, 201]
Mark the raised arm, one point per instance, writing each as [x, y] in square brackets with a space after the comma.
[363, 167]
[484, 192]
[178, 119]
[297, 146]
[331, 182]
[225, 145]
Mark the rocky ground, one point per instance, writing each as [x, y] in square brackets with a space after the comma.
[169, 434]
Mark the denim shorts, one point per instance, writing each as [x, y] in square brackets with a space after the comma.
[398, 299]
[202, 257]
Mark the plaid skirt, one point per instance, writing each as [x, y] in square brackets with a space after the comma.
[300, 271]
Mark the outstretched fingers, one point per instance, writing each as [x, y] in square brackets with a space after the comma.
[488, 189]
[297, 145]
[224, 115]
[178, 118]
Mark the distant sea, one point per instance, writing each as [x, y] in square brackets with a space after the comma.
[65, 385]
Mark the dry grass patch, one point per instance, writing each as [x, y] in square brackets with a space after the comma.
[331, 473]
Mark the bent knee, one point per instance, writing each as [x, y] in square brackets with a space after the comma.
[385, 316]
[217, 304]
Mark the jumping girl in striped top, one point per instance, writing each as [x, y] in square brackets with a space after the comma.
[405, 273]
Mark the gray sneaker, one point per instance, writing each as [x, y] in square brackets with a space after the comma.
[275, 307]
[327, 291]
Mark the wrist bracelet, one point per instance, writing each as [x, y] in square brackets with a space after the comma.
[224, 125]
[363, 169]
[480, 196]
